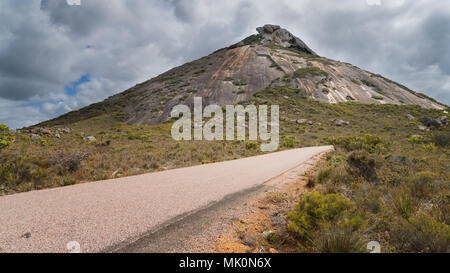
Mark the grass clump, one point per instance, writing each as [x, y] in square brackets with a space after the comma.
[310, 71]
[355, 81]
[239, 83]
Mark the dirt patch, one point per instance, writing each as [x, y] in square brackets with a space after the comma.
[262, 227]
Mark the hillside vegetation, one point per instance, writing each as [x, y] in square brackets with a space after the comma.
[387, 179]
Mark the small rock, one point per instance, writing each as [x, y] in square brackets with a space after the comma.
[341, 123]
[427, 121]
[423, 128]
[249, 240]
[65, 130]
[310, 122]
[34, 136]
[444, 120]
[90, 138]
[44, 131]
[116, 172]
[26, 235]
[410, 117]
[286, 97]
[57, 135]
[302, 121]
[267, 233]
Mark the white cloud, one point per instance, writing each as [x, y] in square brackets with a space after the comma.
[49, 44]
[373, 2]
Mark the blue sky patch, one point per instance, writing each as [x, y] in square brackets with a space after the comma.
[71, 88]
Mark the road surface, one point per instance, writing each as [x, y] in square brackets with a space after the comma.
[103, 214]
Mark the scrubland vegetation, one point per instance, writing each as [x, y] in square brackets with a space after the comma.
[387, 181]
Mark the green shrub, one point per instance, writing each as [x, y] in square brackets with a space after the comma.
[363, 164]
[309, 71]
[251, 145]
[378, 97]
[355, 81]
[415, 140]
[6, 137]
[21, 170]
[442, 139]
[370, 143]
[4, 128]
[368, 83]
[421, 184]
[316, 211]
[239, 83]
[289, 142]
[273, 238]
[340, 175]
[421, 234]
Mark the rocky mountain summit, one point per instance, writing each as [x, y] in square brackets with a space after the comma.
[272, 57]
[280, 36]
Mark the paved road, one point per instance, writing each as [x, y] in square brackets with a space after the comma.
[102, 214]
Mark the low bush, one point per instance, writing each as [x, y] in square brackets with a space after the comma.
[251, 145]
[239, 83]
[442, 139]
[21, 171]
[309, 71]
[289, 142]
[369, 143]
[6, 137]
[363, 164]
[422, 233]
[69, 162]
[320, 211]
[421, 184]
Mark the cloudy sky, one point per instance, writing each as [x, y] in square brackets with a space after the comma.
[56, 57]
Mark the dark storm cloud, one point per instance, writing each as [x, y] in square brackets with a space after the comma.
[47, 45]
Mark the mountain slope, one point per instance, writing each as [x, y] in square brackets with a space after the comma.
[273, 57]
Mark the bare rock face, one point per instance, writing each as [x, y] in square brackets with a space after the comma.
[280, 36]
[272, 57]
